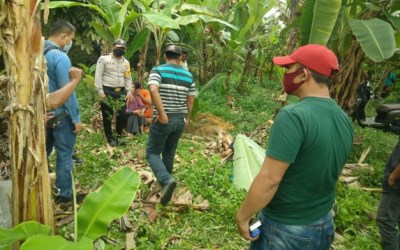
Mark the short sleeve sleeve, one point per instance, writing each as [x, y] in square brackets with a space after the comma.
[286, 137]
[154, 77]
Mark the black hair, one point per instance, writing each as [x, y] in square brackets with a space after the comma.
[138, 85]
[172, 55]
[184, 52]
[319, 78]
[62, 26]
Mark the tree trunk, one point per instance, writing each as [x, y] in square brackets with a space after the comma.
[229, 73]
[141, 66]
[27, 87]
[379, 87]
[248, 62]
[345, 87]
[292, 34]
[204, 74]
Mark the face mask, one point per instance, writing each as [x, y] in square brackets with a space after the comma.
[119, 52]
[67, 47]
[288, 84]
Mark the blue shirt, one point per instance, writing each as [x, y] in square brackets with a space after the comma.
[58, 65]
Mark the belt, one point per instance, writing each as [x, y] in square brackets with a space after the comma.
[115, 89]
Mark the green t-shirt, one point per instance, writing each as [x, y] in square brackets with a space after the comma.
[315, 136]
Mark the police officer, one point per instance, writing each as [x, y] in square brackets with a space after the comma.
[113, 82]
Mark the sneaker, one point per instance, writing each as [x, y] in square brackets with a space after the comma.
[77, 160]
[121, 142]
[167, 191]
[112, 142]
[68, 201]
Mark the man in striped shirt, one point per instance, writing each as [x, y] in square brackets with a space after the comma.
[172, 91]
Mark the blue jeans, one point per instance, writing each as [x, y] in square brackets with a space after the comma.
[62, 138]
[388, 220]
[163, 140]
[277, 236]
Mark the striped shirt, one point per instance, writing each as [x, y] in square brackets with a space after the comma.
[174, 85]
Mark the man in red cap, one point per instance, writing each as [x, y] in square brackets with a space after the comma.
[308, 147]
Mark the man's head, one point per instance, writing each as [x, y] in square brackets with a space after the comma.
[173, 52]
[184, 55]
[62, 33]
[119, 47]
[312, 59]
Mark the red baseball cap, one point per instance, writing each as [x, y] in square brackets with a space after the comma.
[313, 56]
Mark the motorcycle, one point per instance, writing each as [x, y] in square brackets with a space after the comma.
[388, 115]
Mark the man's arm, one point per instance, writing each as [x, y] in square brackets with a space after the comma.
[60, 96]
[98, 77]
[155, 96]
[394, 176]
[261, 192]
[189, 101]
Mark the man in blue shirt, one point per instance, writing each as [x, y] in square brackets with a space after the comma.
[63, 135]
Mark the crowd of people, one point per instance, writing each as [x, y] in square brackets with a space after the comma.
[309, 143]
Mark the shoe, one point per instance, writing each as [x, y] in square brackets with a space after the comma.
[112, 142]
[77, 160]
[68, 201]
[167, 191]
[121, 142]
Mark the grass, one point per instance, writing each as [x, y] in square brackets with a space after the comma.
[203, 175]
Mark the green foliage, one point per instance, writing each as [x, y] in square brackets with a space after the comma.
[318, 21]
[109, 203]
[376, 37]
[356, 218]
[22, 232]
[37, 242]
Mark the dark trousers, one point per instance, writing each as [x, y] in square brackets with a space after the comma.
[107, 111]
[388, 220]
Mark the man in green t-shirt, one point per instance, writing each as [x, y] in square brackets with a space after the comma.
[308, 147]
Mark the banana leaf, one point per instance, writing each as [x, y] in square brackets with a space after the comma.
[247, 160]
[138, 42]
[376, 38]
[22, 232]
[39, 242]
[318, 21]
[109, 203]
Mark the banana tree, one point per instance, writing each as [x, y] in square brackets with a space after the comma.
[335, 23]
[257, 10]
[115, 22]
[21, 43]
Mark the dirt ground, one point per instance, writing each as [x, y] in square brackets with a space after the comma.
[206, 124]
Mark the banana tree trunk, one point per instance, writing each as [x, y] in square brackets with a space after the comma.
[204, 55]
[386, 71]
[20, 38]
[345, 87]
[229, 72]
[248, 62]
[142, 59]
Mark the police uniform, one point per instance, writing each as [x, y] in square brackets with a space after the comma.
[113, 78]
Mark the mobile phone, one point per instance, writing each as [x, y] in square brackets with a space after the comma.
[254, 229]
[53, 121]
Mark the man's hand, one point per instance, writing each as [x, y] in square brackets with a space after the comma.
[47, 117]
[78, 127]
[162, 118]
[75, 74]
[129, 97]
[139, 92]
[243, 226]
[102, 96]
[391, 180]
